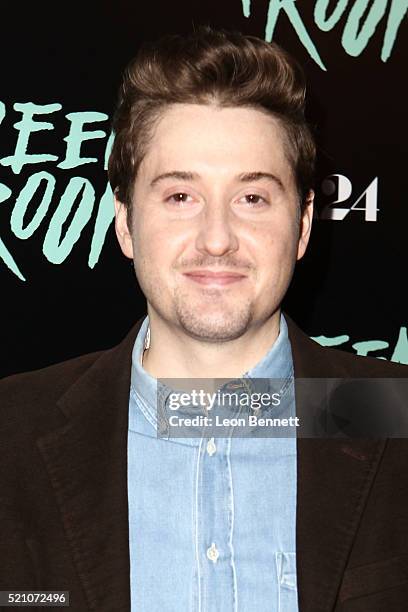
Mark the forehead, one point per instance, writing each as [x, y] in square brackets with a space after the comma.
[218, 141]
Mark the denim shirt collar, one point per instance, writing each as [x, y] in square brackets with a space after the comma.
[145, 392]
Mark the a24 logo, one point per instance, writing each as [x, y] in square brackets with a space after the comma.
[341, 188]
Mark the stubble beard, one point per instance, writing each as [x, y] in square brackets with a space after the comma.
[212, 320]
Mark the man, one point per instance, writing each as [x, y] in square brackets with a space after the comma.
[212, 170]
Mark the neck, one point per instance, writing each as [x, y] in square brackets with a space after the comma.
[174, 354]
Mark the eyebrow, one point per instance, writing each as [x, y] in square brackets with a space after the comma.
[175, 174]
[249, 177]
[246, 177]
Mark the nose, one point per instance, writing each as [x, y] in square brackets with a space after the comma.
[217, 235]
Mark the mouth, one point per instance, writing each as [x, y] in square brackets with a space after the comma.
[219, 278]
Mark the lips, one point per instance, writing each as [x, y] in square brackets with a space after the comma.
[208, 277]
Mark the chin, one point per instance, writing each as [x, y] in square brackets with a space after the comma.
[216, 328]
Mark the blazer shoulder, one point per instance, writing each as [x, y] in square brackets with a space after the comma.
[43, 386]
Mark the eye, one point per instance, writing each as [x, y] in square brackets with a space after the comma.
[179, 198]
[253, 199]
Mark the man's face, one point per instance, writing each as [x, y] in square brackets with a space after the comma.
[215, 223]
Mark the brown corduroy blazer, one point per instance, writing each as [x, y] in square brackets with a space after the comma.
[64, 505]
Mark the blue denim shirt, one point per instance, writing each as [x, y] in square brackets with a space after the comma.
[212, 521]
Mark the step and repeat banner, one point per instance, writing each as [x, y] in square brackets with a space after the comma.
[66, 289]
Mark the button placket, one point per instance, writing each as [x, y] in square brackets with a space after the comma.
[214, 504]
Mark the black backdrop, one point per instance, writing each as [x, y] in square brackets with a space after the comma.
[79, 292]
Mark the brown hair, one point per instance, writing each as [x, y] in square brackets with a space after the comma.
[208, 66]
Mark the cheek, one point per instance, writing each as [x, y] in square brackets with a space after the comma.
[158, 245]
[274, 240]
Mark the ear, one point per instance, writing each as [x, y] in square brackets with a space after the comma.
[305, 224]
[122, 230]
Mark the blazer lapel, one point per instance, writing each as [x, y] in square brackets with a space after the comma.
[86, 460]
[334, 478]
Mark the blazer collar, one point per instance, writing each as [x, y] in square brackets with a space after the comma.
[86, 460]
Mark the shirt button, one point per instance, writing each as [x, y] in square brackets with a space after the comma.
[212, 553]
[211, 448]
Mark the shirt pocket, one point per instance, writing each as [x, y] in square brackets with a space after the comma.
[287, 582]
